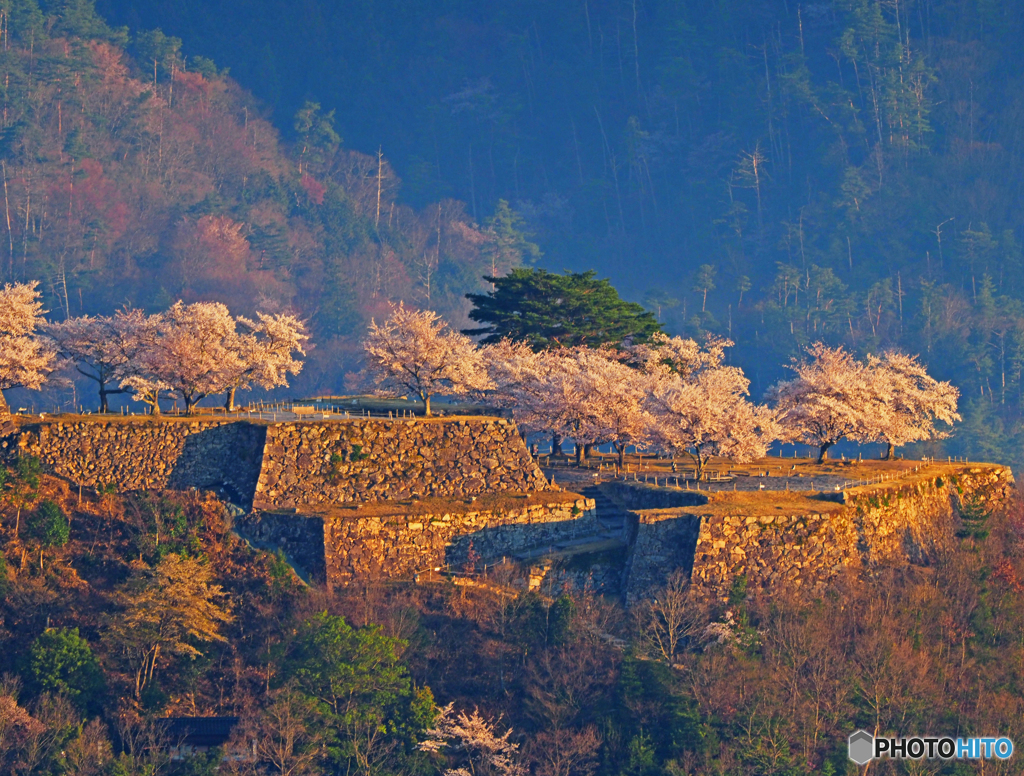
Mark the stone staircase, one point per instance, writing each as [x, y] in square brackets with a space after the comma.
[613, 519]
[612, 533]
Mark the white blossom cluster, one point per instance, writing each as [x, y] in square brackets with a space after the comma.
[671, 394]
[189, 352]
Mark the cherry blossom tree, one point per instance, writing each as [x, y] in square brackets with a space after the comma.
[472, 739]
[911, 401]
[570, 402]
[547, 391]
[266, 353]
[704, 411]
[536, 388]
[519, 377]
[140, 333]
[188, 352]
[102, 348]
[25, 358]
[680, 355]
[416, 352]
[613, 398]
[588, 394]
[832, 397]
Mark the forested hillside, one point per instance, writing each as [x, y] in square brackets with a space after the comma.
[847, 169]
[141, 181]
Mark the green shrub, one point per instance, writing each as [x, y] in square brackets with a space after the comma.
[974, 516]
[61, 661]
[49, 525]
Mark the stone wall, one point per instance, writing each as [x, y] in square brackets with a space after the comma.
[338, 462]
[632, 495]
[910, 522]
[661, 542]
[140, 454]
[339, 545]
[287, 465]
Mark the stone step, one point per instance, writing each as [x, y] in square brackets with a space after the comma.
[585, 545]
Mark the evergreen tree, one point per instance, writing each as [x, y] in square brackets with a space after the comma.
[510, 244]
[61, 661]
[548, 310]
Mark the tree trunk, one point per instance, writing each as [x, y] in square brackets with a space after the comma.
[823, 452]
[229, 402]
[556, 444]
[888, 452]
[581, 453]
[698, 465]
[104, 403]
[426, 406]
[621, 450]
[156, 403]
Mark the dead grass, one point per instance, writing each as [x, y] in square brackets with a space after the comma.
[752, 503]
[34, 420]
[497, 502]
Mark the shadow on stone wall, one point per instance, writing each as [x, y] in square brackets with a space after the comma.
[661, 542]
[639, 495]
[227, 456]
[299, 537]
[493, 543]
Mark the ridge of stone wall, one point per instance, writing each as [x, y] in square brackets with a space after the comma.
[286, 465]
[338, 462]
[144, 454]
[912, 522]
[339, 548]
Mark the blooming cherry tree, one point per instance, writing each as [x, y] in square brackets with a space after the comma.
[705, 411]
[139, 334]
[472, 739]
[416, 352]
[102, 348]
[832, 397]
[911, 401]
[188, 352]
[548, 391]
[266, 353]
[613, 398]
[25, 358]
[680, 355]
[519, 377]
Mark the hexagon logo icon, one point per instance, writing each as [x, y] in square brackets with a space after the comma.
[862, 747]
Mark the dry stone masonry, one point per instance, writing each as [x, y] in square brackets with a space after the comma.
[138, 454]
[909, 522]
[295, 476]
[289, 465]
[390, 498]
[397, 544]
[305, 464]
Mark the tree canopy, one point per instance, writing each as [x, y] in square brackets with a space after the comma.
[549, 310]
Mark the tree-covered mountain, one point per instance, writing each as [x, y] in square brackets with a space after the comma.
[140, 180]
[769, 171]
[776, 171]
